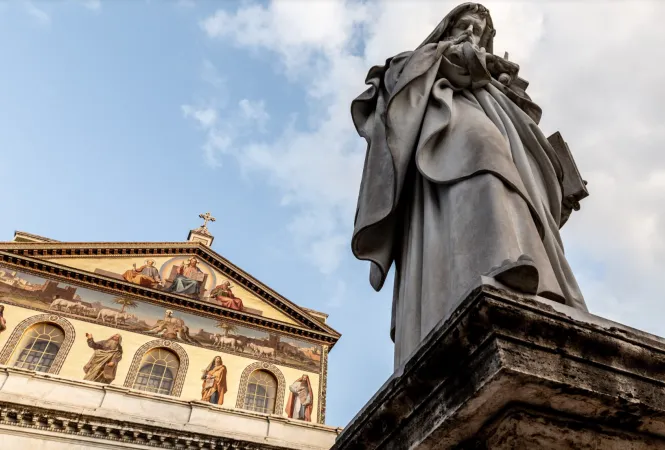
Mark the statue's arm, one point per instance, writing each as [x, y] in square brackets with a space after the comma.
[94, 345]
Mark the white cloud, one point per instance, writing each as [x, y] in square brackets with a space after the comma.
[338, 295]
[206, 117]
[593, 67]
[249, 116]
[217, 141]
[254, 111]
[297, 30]
[41, 16]
[186, 3]
[93, 5]
[210, 75]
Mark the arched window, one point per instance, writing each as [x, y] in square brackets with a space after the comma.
[157, 371]
[39, 346]
[261, 392]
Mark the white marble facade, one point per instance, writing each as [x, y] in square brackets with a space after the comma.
[47, 412]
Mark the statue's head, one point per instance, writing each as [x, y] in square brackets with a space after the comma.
[471, 23]
[471, 19]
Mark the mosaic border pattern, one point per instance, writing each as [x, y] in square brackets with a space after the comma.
[160, 343]
[281, 385]
[20, 329]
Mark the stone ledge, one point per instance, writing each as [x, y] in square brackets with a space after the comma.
[81, 409]
[500, 354]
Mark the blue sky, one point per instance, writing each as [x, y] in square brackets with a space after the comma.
[95, 147]
[123, 120]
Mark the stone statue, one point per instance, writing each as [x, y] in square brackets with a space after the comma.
[459, 182]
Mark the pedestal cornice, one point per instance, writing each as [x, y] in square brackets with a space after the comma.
[504, 369]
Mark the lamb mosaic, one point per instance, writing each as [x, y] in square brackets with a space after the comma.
[126, 313]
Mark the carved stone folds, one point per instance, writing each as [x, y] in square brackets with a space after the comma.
[506, 371]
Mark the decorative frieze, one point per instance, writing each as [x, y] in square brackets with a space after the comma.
[323, 385]
[85, 426]
[105, 284]
[59, 250]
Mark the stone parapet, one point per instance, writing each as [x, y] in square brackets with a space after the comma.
[47, 409]
[520, 372]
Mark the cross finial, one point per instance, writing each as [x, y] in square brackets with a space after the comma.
[207, 217]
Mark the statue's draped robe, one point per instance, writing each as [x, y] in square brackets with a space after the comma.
[225, 297]
[98, 368]
[458, 178]
[144, 276]
[184, 282]
[299, 404]
[214, 384]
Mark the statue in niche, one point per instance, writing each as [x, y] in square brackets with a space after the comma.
[459, 182]
[300, 401]
[214, 382]
[104, 361]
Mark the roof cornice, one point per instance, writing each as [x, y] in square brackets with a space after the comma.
[126, 249]
[19, 259]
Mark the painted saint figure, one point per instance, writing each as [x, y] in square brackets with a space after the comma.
[214, 382]
[146, 275]
[104, 361]
[188, 278]
[300, 402]
[459, 182]
[171, 327]
[225, 296]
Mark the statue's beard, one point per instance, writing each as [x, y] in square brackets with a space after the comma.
[461, 38]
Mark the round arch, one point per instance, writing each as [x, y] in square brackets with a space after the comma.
[23, 326]
[168, 345]
[274, 370]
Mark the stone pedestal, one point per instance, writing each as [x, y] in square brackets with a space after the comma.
[513, 372]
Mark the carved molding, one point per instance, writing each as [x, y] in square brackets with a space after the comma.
[168, 345]
[226, 350]
[268, 367]
[22, 327]
[59, 250]
[323, 384]
[105, 284]
[76, 424]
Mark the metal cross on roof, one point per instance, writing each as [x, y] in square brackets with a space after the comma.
[207, 217]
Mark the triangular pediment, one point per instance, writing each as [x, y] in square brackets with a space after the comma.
[182, 269]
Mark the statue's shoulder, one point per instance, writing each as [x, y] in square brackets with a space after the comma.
[403, 55]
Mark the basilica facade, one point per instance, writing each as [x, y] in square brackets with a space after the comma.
[144, 345]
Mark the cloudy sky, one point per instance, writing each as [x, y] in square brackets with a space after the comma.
[123, 120]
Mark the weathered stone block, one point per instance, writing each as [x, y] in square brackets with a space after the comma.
[518, 372]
